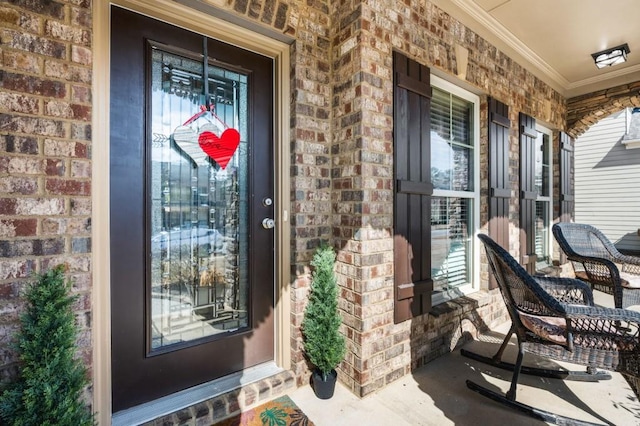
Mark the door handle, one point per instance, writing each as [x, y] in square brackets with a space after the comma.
[268, 223]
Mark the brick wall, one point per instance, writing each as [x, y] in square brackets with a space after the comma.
[368, 32]
[586, 110]
[45, 161]
[341, 160]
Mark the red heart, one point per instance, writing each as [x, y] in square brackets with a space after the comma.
[222, 148]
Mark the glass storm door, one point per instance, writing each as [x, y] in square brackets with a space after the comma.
[191, 182]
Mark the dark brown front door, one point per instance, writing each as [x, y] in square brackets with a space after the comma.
[191, 176]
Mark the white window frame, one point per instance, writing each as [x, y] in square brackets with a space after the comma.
[630, 141]
[549, 199]
[473, 286]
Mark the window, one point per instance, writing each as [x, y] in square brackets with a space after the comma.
[455, 177]
[631, 139]
[543, 181]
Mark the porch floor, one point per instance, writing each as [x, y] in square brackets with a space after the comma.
[436, 394]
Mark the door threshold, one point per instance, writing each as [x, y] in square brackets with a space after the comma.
[177, 401]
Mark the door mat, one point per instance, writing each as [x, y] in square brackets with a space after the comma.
[279, 412]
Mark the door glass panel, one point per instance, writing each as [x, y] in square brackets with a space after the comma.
[197, 210]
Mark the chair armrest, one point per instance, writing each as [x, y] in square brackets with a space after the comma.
[602, 328]
[613, 320]
[601, 268]
[599, 313]
[567, 290]
[603, 271]
[630, 264]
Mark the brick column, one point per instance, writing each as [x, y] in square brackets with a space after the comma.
[362, 197]
[310, 157]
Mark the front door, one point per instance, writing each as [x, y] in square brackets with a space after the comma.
[191, 180]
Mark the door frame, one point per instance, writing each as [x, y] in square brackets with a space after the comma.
[206, 22]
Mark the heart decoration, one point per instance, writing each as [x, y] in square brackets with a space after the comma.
[222, 148]
[185, 138]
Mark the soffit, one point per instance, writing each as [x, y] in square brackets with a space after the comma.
[555, 39]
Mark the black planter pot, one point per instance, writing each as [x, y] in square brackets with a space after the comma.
[324, 389]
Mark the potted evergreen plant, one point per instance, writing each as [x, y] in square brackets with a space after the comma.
[324, 345]
[51, 379]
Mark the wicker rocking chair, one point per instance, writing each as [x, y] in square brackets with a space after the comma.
[597, 261]
[555, 318]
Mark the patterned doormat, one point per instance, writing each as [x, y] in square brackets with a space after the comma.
[279, 412]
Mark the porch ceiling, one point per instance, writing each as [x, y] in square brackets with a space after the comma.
[555, 39]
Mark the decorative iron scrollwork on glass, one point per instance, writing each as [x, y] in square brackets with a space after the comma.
[198, 201]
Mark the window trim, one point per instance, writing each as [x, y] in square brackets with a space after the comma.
[630, 141]
[438, 296]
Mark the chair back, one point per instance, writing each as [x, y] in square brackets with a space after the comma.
[521, 292]
[583, 240]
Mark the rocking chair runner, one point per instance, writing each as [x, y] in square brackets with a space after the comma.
[596, 260]
[555, 318]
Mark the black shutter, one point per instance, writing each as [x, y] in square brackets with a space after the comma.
[567, 201]
[528, 192]
[413, 188]
[499, 183]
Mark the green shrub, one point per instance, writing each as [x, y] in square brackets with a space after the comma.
[323, 342]
[49, 387]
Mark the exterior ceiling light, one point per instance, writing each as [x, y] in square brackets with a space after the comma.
[613, 56]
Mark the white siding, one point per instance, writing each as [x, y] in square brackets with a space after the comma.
[607, 182]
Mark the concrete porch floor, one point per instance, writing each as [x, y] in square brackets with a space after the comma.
[436, 394]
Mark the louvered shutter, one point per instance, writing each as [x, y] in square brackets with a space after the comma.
[528, 193]
[413, 189]
[499, 183]
[567, 201]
